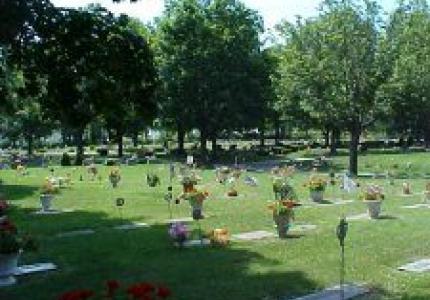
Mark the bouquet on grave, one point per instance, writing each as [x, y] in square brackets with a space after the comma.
[48, 187]
[316, 183]
[114, 290]
[280, 183]
[219, 237]
[178, 232]
[114, 177]
[188, 181]
[373, 192]
[11, 242]
[152, 179]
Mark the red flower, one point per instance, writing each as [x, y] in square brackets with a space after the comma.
[77, 295]
[163, 292]
[141, 290]
[112, 286]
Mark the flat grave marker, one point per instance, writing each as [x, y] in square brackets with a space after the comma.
[419, 266]
[334, 293]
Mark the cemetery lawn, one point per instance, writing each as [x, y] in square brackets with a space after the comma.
[269, 269]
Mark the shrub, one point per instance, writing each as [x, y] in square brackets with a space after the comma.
[65, 159]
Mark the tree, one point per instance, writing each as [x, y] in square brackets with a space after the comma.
[339, 55]
[406, 42]
[208, 63]
[127, 93]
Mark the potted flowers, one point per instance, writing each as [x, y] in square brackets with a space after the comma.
[195, 198]
[114, 177]
[178, 232]
[427, 192]
[406, 188]
[11, 246]
[222, 174]
[188, 182]
[316, 185]
[219, 237]
[372, 197]
[152, 180]
[47, 195]
[283, 214]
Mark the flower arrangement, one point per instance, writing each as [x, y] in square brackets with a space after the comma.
[178, 232]
[48, 188]
[219, 237]
[152, 180]
[189, 181]
[282, 208]
[11, 242]
[406, 188]
[195, 198]
[92, 170]
[114, 177]
[316, 183]
[21, 170]
[373, 193]
[113, 290]
[283, 213]
[222, 174]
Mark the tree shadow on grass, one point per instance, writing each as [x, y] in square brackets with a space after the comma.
[17, 192]
[147, 254]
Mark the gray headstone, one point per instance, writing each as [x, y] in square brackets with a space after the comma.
[418, 266]
[181, 220]
[333, 293]
[358, 217]
[197, 243]
[253, 235]
[52, 212]
[35, 268]
[76, 233]
[422, 205]
[302, 228]
[131, 226]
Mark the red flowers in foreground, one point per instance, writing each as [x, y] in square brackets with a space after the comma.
[138, 291]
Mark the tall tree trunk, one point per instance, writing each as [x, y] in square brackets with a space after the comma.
[326, 134]
[135, 138]
[203, 140]
[214, 147]
[353, 151]
[262, 139]
[334, 141]
[181, 139]
[119, 136]
[30, 144]
[427, 139]
[79, 147]
[277, 131]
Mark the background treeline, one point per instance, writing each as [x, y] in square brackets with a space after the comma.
[202, 66]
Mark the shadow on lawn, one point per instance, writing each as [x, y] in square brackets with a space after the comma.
[147, 254]
[17, 192]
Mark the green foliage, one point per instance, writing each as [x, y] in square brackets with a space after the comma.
[65, 159]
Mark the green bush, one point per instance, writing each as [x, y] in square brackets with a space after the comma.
[65, 159]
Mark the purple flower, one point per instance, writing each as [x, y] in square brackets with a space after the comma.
[178, 230]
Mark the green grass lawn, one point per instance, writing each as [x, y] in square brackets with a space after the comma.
[267, 269]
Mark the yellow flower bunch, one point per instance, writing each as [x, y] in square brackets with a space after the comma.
[220, 237]
[48, 187]
[316, 183]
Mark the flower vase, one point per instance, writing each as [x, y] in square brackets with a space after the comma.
[196, 212]
[317, 196]
[46, 201]
[282, 224]
[8, 267]
[373, 208]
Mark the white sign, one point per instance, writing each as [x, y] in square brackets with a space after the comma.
[190, 160]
